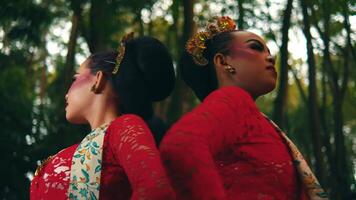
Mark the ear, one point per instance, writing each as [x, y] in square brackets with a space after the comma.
[100, 82]
[220, 61]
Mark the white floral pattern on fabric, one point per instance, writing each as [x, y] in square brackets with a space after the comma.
[310, 182]
[86, 166]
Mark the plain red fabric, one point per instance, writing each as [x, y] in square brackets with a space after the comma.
[225, 149]
[131, 168]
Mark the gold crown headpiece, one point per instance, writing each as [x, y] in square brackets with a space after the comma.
[196, 45]
[121, 50]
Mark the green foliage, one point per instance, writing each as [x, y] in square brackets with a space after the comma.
[16, 124]
[32, 79]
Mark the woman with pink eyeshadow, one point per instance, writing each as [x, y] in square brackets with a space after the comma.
[113, 92]
[226, 148]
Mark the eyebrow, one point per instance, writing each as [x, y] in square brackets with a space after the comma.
[254, 40]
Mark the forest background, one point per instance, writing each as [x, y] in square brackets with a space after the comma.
[42, 43]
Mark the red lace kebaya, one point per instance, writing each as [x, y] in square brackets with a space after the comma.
[226, 149]
[131, 166]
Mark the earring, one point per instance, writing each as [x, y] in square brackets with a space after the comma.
[94, 89]
[230, 69]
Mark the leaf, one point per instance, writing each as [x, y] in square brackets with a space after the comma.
[86, 175]
[93, 151]
[98, 168]
[82, 159]
[84, 193]
[76, 155]
[74, 187]
[92, 195]
[95, 144]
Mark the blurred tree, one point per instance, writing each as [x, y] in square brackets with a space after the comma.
[281, 99]
[24, 25]
[182, 97]
[314, 100]
[337, 77]
[313, 107]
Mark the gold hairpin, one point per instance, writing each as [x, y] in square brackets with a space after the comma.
[196, 45]
[121, 50]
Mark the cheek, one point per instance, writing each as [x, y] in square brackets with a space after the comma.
[243, 53]
[248, 62]
[79, 82]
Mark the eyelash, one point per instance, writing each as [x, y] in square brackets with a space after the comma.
[257, 47]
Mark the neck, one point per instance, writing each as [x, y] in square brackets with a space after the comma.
[224, 82]
[102, 112]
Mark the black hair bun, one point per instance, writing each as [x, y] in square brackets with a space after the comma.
[201, 79]
[155, 63]
[145, 74]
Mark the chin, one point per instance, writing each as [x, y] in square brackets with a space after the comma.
[269, 87]
[74, 119]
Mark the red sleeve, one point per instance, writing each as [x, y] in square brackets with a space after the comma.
[189, 148]
[133, 145]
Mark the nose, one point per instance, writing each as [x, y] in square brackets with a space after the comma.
[66, 97]
[271, 59]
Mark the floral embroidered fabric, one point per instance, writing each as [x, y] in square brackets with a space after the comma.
[225, 149]
[86, 166]
[131, 166]
[310, 183]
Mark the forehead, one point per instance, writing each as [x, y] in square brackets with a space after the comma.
[83, 67]
[244, 36]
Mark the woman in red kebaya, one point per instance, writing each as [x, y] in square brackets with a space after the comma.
[113, 93]
[226, 148]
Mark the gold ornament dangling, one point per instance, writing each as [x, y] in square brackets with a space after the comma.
[230, 69]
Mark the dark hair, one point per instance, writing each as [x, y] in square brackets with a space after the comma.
[202, 79]
[146, 74]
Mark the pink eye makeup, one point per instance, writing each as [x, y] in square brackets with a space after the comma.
[249, 49]
[79, 80]
[257, 46]
[243, 52]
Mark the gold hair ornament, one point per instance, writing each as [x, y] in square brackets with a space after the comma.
[121, 50]
[196, 45]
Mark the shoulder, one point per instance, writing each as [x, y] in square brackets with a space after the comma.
[125, 121]
[221, 109]
[230, 94]
[198, 122]
[66, 151]
[225, 102]
[127, 125]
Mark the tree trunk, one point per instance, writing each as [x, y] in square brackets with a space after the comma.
[181, 100]
[314, 122]
[344, 173]
[172, 39]
[328, 70]
[337, 159]
[141, 28]
[72, 43]
[241, 10]
[281, 99]
[99, 23]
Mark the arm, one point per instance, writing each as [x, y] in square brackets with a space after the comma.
[190, 165]
[137, 153]
[187, 153]
[189, 148]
